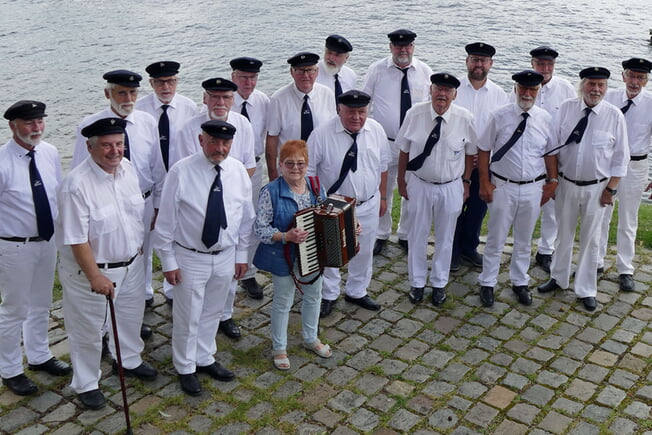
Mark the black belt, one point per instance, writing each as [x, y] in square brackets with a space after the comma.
[391, 139]
[147, 194]
[118, 264]
[359, 203]
[500, 177]
[24, 239]
[198, 251]
[583, 183]
[636, 158]
[435, 182]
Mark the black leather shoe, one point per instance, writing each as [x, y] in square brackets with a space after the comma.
[365, 302]
[474, 258]
[216, 371]
[254, 290]
[590, 303]
[403, 244]
[230, 329]
[455, 264]
[149, 302]
[548, 287]
[438, 295]
[145, 332]
[326, 307]
[415, 295]
[487, 296]
[626, 282]
[544, 261]
[599, 270]
[169, 301]
[144, 371]
[378, 246]
[53, 366]
[190, 384]
[105, 345]
[21, 385]
[523, 294]
[93, 399]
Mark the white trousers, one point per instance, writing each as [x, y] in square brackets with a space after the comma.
[85, 313]
[360, 266]
[630, 192]
[198, 303]
[147, 246]
[441, 203]
[385, 222]
[573, 202]
[26, 279]
[513, 206]
[547, 229]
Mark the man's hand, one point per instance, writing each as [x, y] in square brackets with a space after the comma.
[102, 285]
[173, 277]
[548, 192]
[240, 270]
[647, 189]
[606, 198]
[487, 191]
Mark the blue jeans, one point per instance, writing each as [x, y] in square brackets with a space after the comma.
[282, 303]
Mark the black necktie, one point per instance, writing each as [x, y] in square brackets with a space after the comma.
[406, 98]
[215, 215]
[578, 131]
[243, 111]
[417, 162]
[350, 162]
[338, 88]
[520, 128]
[41, 204]
[125, 153]
[306, 119]
[164, 134]
[625, 108]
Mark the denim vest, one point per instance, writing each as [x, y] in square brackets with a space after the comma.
[271, 257]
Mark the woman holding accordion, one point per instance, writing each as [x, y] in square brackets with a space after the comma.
[277, 204]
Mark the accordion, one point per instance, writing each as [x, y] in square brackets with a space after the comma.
[332, 239]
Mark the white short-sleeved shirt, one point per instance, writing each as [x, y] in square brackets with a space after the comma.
[638, 119]
[603, 150]
[242, 147]
[327, 147]
[383, 83]
[257, 107]
[144, 149]
[524, 160]
[284, 116]
[457, 139]
[346, 76]
[183, 208]
[481, 102]
[103, 209]
[17, 214]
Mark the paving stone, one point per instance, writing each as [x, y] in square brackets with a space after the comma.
[642, 349]
[596, 413]
[502, 332]
[33, 430]
[289, 388]
[606, 322]
[200, 424]
[374, 328]
[16, 418]
[446, 324]
[502, 359]
[524, 413]
[593, 373]
[623, 426]
[438, 389]
[392, 367]
[418, 373]
[525, 366]
[515, 319]
[472, 390]
[638, 410]
[481, 414]
[577, 349]
[443, 419]
[353, 344]
[364, 359]
[568, 406]
[585, 428]
[364, 420]
[44, 401]
[543, 321]
[490, 373]
[551, 379]
[342, 375]
[530, 334]
[499, 397]
[370, 384]
[259, 410]
[538, 354]
[633, 324]
[487, 343]
[309, 372]
[346, 401]
[327, 417]
[437, 358]
[294, 417]
[412, 350]
[430, 337]
[611, 396]
[381, 402]
[538, 394]
[508, 427]
[581, 390]
[403, 420]
[474, 356]
[632, 363]
[566, 330]
[406, 328]
[318, 396]
[386, 343]
[552, 342]
[454, 372]
[69, 429]
[565, 365]
[515, 381]
[555, 422]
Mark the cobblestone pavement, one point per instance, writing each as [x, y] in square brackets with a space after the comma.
[552, 367]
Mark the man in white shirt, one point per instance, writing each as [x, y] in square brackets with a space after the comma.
[590, 139]
[481, 96]
[636, 104]
[297, 108]
[253, 105]
[141, 147]
[100, 237]
[395, 83]
[333, 73]
[350, 154]
[171, 110]
[30, 171]
[437, 143]
[202, 237]
[554, 90]
[512, 173]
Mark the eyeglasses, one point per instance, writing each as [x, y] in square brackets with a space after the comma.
[633, 76]
[309, 71]
[481, 60]
[163, 82]
[290, 164]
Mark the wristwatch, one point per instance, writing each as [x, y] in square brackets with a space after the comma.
[610, 190]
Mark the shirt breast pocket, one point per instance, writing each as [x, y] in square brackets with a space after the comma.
[103, 221]
[456, 149]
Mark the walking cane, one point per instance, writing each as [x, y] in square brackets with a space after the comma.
[119, 360]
